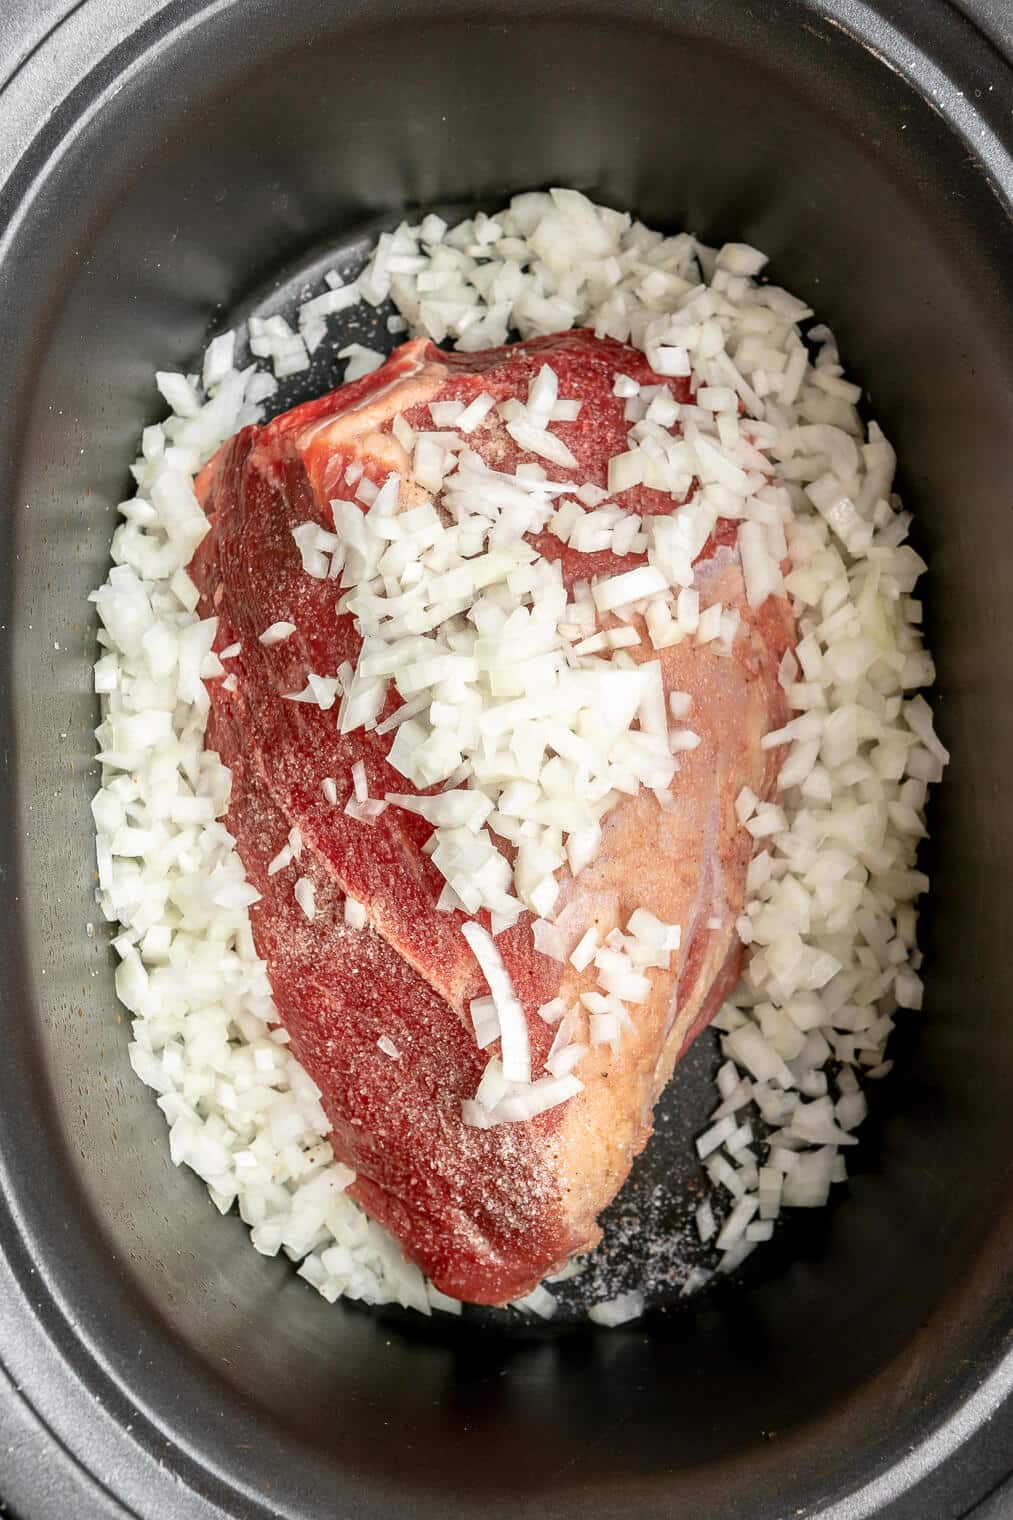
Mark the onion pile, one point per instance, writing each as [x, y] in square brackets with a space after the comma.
[775, 441]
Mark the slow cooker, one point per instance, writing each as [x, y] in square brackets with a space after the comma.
[160, 164]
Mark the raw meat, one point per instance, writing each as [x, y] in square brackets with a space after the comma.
[486, 1213]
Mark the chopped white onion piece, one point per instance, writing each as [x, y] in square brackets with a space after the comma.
[277, 633]
[516, 1052]
[486, 1021]
[617, 1311]
[583, 952]
[355, 913]
[305, 896]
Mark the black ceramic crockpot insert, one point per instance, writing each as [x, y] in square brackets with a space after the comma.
[159, 165]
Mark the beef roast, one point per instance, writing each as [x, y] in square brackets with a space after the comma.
[485, 1212]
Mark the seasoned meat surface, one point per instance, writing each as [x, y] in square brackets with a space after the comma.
[485, 1212]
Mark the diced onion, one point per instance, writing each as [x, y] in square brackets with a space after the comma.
[516, 1052]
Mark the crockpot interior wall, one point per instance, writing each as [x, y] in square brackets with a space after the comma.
[254, 133]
